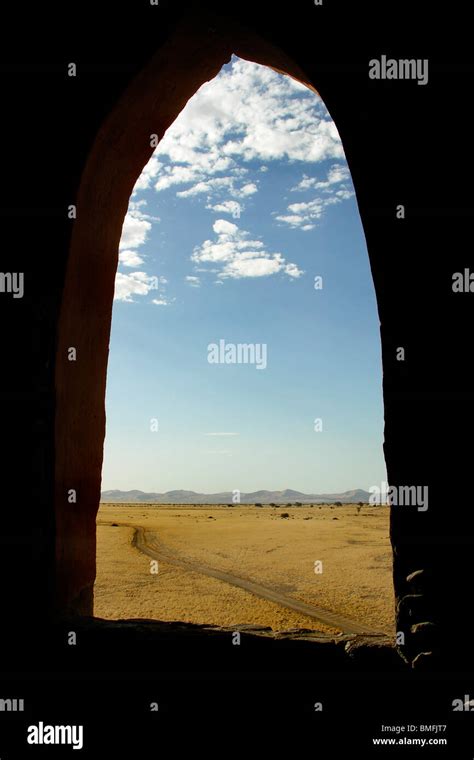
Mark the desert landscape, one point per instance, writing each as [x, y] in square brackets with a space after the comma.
[324, 568]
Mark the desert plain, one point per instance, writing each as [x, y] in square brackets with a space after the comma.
[329, 559]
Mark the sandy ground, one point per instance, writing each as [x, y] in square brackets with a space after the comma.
[253, 543]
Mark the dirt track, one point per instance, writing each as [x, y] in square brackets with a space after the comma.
[147, 542]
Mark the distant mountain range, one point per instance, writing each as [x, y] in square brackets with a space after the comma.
[256, 497]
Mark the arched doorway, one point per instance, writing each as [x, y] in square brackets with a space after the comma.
[194, 55]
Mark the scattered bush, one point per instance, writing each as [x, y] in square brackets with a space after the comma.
[284, 514]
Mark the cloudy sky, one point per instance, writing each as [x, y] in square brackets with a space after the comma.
[246, 200]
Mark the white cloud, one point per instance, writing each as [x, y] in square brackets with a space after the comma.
[303, 215]
[130, 259]
[292, 219]
[178, 175]
[337, 173]
[134, 231]
[246, 190]
[223, 227]
[292, 270]
[216, 185]
[162, 301]
[149, 172]
[253, 267]
[344, 194]
[209, 187]
[247, 113]
[222, 434]
[334, 189]
[228, 207]
[136, 226]
[238, 256]
[133, 284]
[312, 208]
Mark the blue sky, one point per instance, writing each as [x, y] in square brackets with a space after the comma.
[245, 201]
